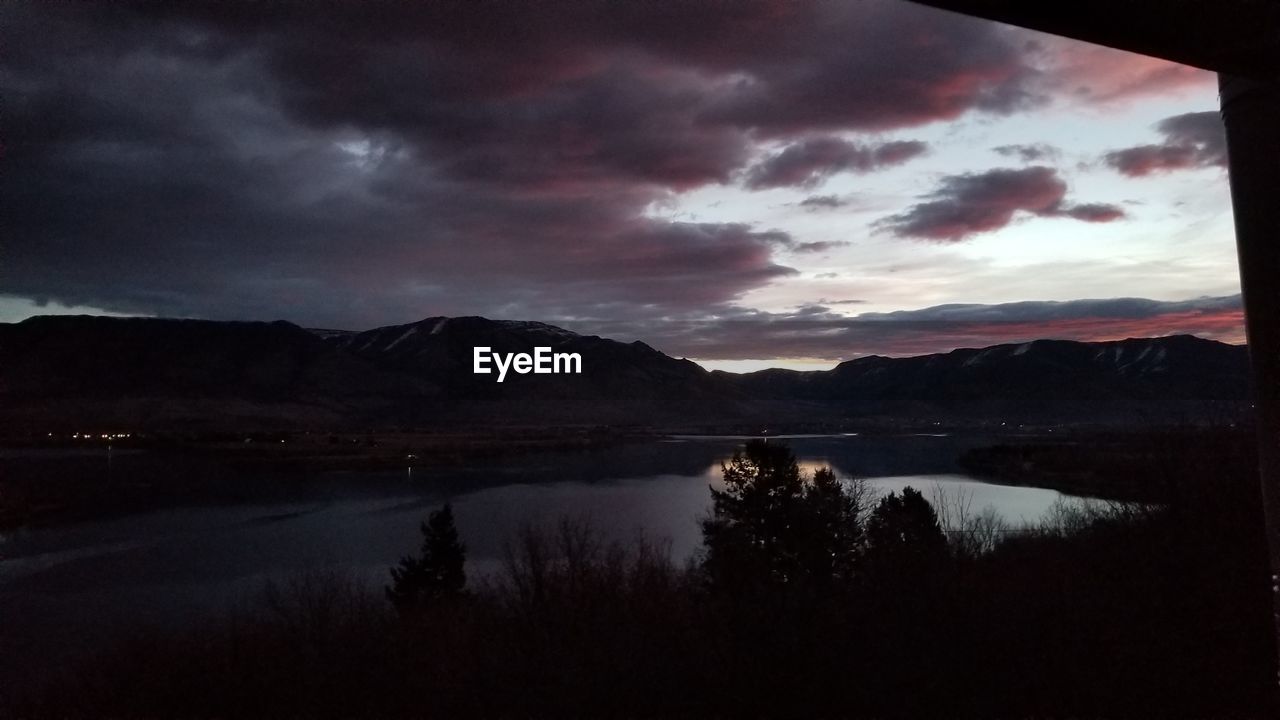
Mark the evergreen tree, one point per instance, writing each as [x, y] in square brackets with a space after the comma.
[904, 538]
[834, 542]
[438, 573]
[772, 526]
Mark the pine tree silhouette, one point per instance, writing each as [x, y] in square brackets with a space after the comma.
[904, 538]
[438, 573]
[771, 525]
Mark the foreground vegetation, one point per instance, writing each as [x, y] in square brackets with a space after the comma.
[811, 599]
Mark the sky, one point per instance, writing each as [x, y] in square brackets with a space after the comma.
[746, 184]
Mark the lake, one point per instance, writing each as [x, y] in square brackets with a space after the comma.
[64, 586]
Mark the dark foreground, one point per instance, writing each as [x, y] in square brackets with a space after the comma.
[1121, 612]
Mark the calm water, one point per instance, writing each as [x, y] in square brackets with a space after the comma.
[62, 586]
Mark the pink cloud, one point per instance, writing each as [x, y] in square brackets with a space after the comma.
[1096, 74]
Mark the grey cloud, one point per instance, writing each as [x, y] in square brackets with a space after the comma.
[1034, 152]
[1191, 140]
[337, 166]
[969, 204]
[813, 331]
[823, 202]
[809, 162]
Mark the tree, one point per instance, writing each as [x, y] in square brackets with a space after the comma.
[438, 574]
[904, 537]
[772, 526]
[833, 542]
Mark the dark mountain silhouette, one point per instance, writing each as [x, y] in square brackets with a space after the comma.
[620, 382]
[140, 372]
[1169, 380]
[65, 372]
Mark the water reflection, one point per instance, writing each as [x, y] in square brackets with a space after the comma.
[368, 519]
[64, 584]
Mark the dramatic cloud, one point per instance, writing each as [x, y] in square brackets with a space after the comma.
[815, 332]
[807, 163]
[969, 204]
[353, 164]
[1193, 140]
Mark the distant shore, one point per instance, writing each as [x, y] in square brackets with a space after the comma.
[58, 478]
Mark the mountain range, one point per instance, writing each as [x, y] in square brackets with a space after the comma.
[67, 372]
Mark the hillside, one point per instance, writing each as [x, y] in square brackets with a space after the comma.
[620, 383]
[73, 372]
[69, 372]
[1170, 380]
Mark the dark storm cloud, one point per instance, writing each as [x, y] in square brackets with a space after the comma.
[965, 205]
[152, 174]
[1192, 140]
[875, 66]
[814, 331]
[686, 265]
[1034, 152]
[352, 164]
[809, 162]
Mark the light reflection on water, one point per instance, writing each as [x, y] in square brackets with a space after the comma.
[1018, 505]
[623, 491]
[61, 582]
